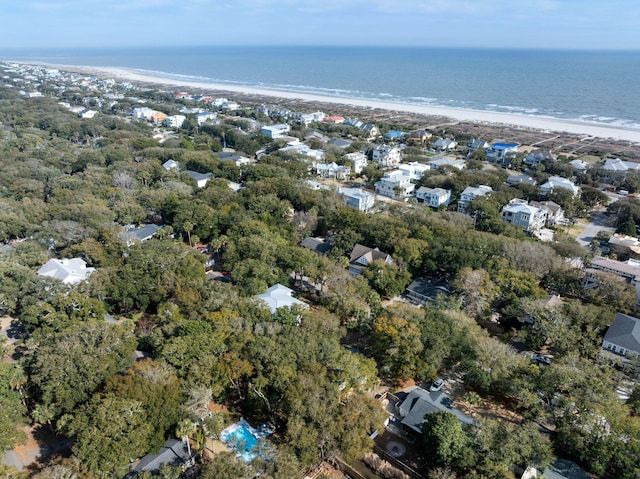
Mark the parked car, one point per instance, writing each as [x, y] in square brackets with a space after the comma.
[436, 385]
[539, 358]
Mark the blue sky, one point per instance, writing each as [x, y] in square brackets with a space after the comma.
[582, 24]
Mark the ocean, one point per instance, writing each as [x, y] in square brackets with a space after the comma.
[599, 87]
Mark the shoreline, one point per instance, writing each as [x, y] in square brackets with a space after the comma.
[487, 118]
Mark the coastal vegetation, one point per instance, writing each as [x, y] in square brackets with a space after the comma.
[155, 346]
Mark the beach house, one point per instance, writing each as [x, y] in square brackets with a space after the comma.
[358, 161]
[386, 155]
[395, 184]
[434, 197]
[470, 193]
[518, 213]
[275, 131]
[357, 198]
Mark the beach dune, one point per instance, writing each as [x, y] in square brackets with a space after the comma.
[551, 125]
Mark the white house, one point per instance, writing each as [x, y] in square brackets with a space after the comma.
[279, 296]
[332, 170]
[387, 155]
[623, 336]
[434, 197]
[143, 113]
[502, 151]
[175, 121]
[171, 165]
[438, 163]
[358, 161]
[357, 198]
[85, 114]
[307, 118]
[554, 211]
[475, 144]
[414, 170]
[559, 182]
[201, 178]
[205, 117]
[520, 214]
[275, 131]
[445, 144]
[69, 271]
[469, 194]
[617, 169]
[306, 150]
[395, 184]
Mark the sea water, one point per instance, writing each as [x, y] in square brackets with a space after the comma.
[601, 87]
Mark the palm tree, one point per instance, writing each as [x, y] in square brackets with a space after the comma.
[184, 430]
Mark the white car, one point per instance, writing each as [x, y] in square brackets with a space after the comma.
[436, 385]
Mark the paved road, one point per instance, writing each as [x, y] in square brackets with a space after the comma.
[600, 222]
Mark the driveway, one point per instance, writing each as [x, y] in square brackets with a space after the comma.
[600, 222]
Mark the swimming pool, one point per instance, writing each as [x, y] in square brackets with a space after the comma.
[242, 438]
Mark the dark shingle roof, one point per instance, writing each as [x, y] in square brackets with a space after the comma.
[625, 332]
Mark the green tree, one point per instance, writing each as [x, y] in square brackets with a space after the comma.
[444, 439]
[109, 433]
[70, 365]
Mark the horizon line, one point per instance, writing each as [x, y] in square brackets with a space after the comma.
[298, 46]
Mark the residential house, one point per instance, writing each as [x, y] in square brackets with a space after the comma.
[502, 152]
[275, 131]
[623, 336]
[158, 117]
[361, 256]
[475, 144]
[419, 136]
[434, 197]
[279, 296]
[135, 234]
[414, 170]
[340, 142]
[143, 113]
[521, 179]
[206, 117]
[470, 193]
[520, 214]
[307, 118]
[559, 182]
[173, 453]
[555, 213]
[627, 270]
[201, 179]
[395, 134]
[317, 245]
[87, 114]
[615, 169]
[331, 170]
[175, 121]
[580, 166]
[171, 165]
[395, 184]
[538, 157]
[439, 163]
[358, 161]
[386, 155]
[357, 198]
[371, 130]
[625, 246]
[353, 122]
[302, 149]
[445, 144]
[69, 271]
[335, 119]
[419, 403]
[426, 289]
[316, 135]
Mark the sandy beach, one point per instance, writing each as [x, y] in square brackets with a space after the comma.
[550, 125]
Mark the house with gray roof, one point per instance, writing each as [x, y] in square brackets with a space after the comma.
[623, 336]
[520, 214]
[362, 255]
[69, 271]
[521, 179]
[173, 453]
[134, 234]
[419, 403]
[201, 179]
[279, 296]
[317, 245]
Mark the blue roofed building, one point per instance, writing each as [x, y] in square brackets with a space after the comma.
[502, 152]
[395, 134]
